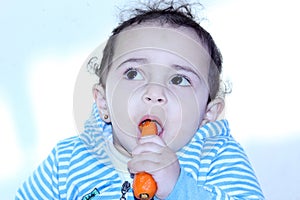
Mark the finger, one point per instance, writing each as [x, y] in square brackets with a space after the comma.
[147, 147]
[144, 162]
[151, 161]
[150, 164]
[152, 138]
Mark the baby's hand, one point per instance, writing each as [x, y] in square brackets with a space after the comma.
[154, 157]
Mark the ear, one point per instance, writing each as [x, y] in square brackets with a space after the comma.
[100, 99]
[213, 110]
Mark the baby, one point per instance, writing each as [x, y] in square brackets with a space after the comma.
[161, 66]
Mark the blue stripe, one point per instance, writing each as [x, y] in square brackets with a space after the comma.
[32, 187]
[26, 190]
[20, 193]
[212, 156]
[48, 185]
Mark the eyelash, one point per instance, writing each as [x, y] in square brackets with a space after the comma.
[185, 77]
[181, 75]
[132, 69]
[128, 69]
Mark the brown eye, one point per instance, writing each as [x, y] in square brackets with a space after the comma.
[133, 74]
[180, 80]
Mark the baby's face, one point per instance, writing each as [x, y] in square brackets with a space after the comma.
[158, 74]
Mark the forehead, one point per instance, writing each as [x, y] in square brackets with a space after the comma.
[182, 42]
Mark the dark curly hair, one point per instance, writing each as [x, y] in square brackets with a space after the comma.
[173, 13]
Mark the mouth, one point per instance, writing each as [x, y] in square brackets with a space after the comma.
[152, 119]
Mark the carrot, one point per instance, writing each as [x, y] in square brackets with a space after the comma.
[148, 128]
[144, 186]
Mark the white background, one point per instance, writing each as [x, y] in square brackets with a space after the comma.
[44, 43]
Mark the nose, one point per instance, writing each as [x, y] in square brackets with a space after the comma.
[155, 94]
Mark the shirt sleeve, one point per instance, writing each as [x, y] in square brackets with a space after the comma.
[230, 177]
[43, 183]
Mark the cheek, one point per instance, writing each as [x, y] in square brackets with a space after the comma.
[118, 98]
[125, 128]
[192, 110]
[192, 105]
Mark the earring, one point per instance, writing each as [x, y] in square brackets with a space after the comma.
[105, 116]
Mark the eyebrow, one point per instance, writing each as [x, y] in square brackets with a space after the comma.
[174, 66]
[185, 68]
[134, 60]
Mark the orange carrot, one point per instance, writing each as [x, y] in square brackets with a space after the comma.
[144, 186]
[148, 128]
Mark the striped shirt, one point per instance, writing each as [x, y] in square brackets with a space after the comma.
[213, 166]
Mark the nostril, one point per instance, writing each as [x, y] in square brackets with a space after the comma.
[154, 96]
[160, 100]
[147, 98]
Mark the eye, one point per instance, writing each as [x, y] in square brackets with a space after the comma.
[133, 74]
[180, 80]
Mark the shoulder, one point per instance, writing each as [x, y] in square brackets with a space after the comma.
[216, 134]
[68, 149]
[76, 156]
[68, 144]
[219, 143]
[222, 147]
[214, 129]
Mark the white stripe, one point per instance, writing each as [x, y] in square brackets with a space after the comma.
[37, 188]
[210, 151]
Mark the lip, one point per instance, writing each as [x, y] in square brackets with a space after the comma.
[158, 122]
